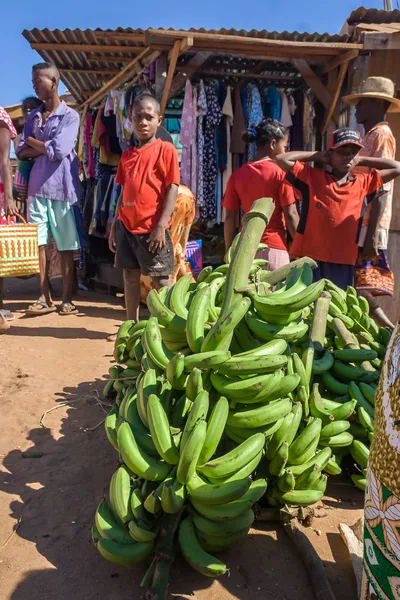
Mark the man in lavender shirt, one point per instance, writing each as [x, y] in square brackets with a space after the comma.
[49, 138]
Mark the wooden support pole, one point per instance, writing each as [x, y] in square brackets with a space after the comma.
[339, 82]
[170, 75]
[195, 65]
[161, 75]
[186, 45]
[338, 60]
[315, 83]
[118, 80]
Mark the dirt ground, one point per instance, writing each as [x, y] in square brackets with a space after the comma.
[51, 499]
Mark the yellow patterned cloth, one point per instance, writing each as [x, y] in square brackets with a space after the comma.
[381, 577]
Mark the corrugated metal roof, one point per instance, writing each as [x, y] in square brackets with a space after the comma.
[89, 58]
[373, 15]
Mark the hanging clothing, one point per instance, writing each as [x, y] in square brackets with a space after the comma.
[238, 146]
[201, 114]
[296, 136]
[273, 103]
[308, 121]
[214, 116]
[286, 117]
[227, 111]
[188, 141]
[254, 113]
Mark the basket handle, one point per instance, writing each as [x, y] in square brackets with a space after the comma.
[19, 216]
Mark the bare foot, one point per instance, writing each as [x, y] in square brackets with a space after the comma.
[4, 324]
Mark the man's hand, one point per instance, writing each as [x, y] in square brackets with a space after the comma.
[112, 239]
[323, 157]
[370, 249]
[157, 239]
[10, 208]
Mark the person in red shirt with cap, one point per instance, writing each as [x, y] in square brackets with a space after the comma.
[334, 199]
[259, 179]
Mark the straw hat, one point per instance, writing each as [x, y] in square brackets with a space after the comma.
[380, 88]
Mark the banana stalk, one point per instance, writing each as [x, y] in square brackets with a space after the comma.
[318, 327]
[343, 334]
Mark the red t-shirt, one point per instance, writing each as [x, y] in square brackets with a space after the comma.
[331, 214]
[261, 179]
[145, 174]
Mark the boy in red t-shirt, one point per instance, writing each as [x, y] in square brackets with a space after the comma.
[150, 178]
[333, 201]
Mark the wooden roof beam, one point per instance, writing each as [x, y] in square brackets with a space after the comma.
[382, 41]
[195, 64]
[186, 45]
[339, 60]
[335, 97]
[170, 75]
[119, 35]
[119, 79]
[314, 82]
[90, 71]
[47, 46]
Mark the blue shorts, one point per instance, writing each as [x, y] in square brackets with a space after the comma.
[341, 275]
[57, 218]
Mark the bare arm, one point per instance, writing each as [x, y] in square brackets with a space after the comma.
[5, 170]
[371, 239]
[229, 227]
[37, 145]
[156, 238]
[27, 152]
[286, 161]
[112, 242]
[291, 218]
[388, 169]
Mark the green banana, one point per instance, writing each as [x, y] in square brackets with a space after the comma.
[194, 384]
[346, 371]
[251, 365]
[175, 372]
[344, 412]
[299, 368]
[146, 385]
[141, 433]
[273, 348]
[136, 459]
[308, 479]
[356, 394]
[321, 459]
[244, 434]
[268, 332]
[221, 512]
[279, 436]
[160, 431]
[137, 507]
[155, 347]
[173, 497]
[245, 390]
[368, 392]
[358, 431]
[229, 463]
[178, 294]
[198, 411]
[123, 554]
[334, 385]
[164, 315]
[204, 273]
[124, 330]
[141, 534]
[197, 318]
[218, 544]
[120, 494]
[222, 528]
[279, 460]
[359, 481]
[152, 502]
[334, 428]
[365, 419]
[264, 415]
[384, 336]
[305, 441]
[219, 493]
[286, 481]
[213, 310]
[179, 412]
[194, 554]
[191, 452]
[245, 339]
[332, 467]
[337, 441]
[282, 305]
[301, 497]
[215, 429]
[302, 396]
[322, 483]
[220, 335]
[206, 360]
[110, 426]
[108, 528]
[354, 355]
[360, 453]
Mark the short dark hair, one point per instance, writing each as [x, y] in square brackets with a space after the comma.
[47, 66]
[136, 94]
[266, 131]
[33, 100]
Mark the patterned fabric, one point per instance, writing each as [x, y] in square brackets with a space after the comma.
[188, 140]
[201, 114]
[254, 112]
[381, 577]
[276, 258]
[6, 119]
[374, 275]
[208, 210]
[181, 222]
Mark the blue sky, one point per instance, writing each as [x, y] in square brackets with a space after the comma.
[16, 57]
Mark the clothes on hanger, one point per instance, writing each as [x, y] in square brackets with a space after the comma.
[201, 114]
[254, 111]
[273, 103]
[213, 117]
[188, 141]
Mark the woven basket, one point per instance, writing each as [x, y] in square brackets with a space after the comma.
[19, 250]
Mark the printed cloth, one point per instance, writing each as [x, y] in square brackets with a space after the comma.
[381, 575]
[208, 209]
[188, 140]
[201, 114]
[254, 112]
[6, 119]
[374, 275]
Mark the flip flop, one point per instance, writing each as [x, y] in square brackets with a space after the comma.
[44, 310]
[7, 314]
[67, 308]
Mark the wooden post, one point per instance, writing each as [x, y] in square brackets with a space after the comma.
[170, 76]
[315, 83]
[161, 75]
[339, 82]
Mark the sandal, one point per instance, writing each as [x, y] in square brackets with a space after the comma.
[4, 324]
[39, 308]
[67, 308]
[7, 315]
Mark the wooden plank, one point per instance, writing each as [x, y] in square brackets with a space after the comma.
[197, 62]
[381, 28]
[242, 40]
[314, 82]
[170, 75]
[161, 74]
[119, 35]
[272, 77]
[338, 60]
[118, 80]
[335, 97]
[186, 45]
[90, 71]
[86, 48]
[382, 41]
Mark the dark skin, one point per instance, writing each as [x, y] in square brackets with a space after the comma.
[370, 112]
[268, 151]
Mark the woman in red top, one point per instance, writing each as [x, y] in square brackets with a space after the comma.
[260, 179]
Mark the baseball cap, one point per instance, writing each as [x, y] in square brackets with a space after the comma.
[344, 136]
